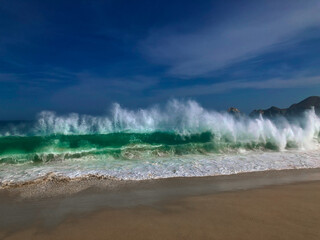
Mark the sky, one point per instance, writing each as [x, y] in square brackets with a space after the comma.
[82, 56]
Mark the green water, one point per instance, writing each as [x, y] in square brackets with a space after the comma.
[182, 140]
[17, 149]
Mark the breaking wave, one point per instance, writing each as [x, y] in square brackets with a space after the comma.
[180, 130]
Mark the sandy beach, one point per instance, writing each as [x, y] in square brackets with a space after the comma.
[265, 205]
[160, 120]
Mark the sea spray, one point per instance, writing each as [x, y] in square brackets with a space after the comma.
[181, 118]
[181, 136]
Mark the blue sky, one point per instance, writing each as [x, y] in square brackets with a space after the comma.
[81, 56]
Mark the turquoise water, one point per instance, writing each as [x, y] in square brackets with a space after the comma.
[181, 139]
[37, 149]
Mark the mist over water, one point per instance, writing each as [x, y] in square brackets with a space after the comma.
[182, 139]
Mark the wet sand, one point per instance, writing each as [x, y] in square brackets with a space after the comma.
[266, 205]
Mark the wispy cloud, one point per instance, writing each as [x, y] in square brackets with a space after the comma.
[115, 84]
[94, 93]
[50, 75]
[274, 83]
[249, 32]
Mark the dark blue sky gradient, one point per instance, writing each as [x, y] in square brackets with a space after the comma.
[81, 56]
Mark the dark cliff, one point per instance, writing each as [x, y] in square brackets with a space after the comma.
[294, 110]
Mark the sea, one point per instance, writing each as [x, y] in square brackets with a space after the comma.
[180, 139]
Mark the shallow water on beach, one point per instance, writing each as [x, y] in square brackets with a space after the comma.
[184, 166]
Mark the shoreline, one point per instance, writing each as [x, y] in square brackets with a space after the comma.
[53, 185]
[92, 193]
[15, 175]
[260, 205]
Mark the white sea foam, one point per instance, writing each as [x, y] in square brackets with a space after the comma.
[188, 118]
[184, 166]
[297, 143]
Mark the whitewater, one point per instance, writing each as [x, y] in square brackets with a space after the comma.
[180, 139]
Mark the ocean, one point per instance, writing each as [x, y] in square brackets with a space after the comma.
[181, 139]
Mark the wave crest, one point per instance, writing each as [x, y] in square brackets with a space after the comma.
[182, 118]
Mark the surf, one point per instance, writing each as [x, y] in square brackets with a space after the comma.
[178, 134]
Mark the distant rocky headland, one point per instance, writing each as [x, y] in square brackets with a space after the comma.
[294, 110]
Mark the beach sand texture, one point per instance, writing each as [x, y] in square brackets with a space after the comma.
[290, 211]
